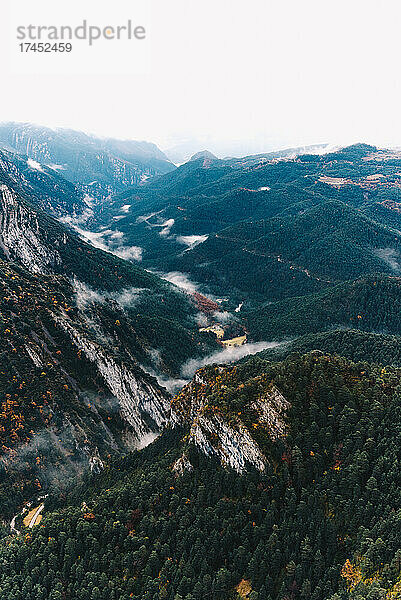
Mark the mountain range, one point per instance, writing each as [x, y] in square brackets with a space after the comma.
[159, 470]
[99, 167]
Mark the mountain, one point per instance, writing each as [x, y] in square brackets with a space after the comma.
[161, 315]
[181, 151]
[368, 304]
[44, 186]
[343, 205]
[320, 520]
[353, 344]
[44, 246]
[292, 254]
[99, 167]
[222, 421]
[272, 478]
[203, 154]
[81, 330]
[262, 230]
[73, 389]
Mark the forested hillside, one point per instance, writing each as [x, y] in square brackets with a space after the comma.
[368, 304]
[73, 386]
[44, 186]
[320, 522]
[268, 228]
[33, 239]
[81, 330]
[352, 343]
[272, 478]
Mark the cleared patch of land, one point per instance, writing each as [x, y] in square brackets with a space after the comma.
[33, 517]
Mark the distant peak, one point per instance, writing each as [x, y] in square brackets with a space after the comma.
[203, 154]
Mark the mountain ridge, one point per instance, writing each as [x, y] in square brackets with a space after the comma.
[99, 166]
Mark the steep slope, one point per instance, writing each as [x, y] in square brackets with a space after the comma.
[203, 185]
[203, 154]
[268, 228]
[100, 167]
[203, 181]
[332, 240]
[272, 480]
[162, 314]
[368, 304]
[189, 219]
[42, 244]
[223, 413]
[200, 183]
[73, 391]
[320, 522]
[353, 344]
[44, 186]
[294, 254]
[80, 330]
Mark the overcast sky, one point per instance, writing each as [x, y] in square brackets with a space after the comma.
[241, 75]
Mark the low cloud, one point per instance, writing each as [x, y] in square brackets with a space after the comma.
[117, 235]
[129, 253]
[223, 317]
[181, 280]
[64, 454]
[143, 218]
[166, 227]
[85, 295]
[201, 319]
[171, 384]
[390, 256]
[224, 356]
[56, 167]
[77, 220]
[127, 297]
[191, 240]
[34, 165]
[110, 241]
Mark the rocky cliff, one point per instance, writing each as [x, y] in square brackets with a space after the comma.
[228, 418]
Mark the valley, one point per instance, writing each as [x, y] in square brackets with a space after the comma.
[199, 372]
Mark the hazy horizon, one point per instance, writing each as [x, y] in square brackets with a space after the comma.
[189, 146]
[226, 77]
[186, 148]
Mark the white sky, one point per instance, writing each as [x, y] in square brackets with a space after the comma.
[250, 74]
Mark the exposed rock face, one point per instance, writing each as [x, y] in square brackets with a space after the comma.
[99, 167]
[20, 238]
[96, 464]
[40, 244]
[233, 445]
[143, 405]
[219, 431]
[43, 185]
[73, 393]
[272, 410]
[182, 465]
